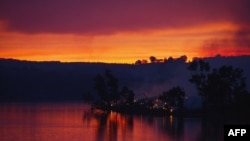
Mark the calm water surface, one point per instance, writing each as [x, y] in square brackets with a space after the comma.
[75, 122]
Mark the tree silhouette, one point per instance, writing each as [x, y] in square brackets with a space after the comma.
[138, 62]
[182, 59]
[127, 96]
[107, 90]
[112, 87]
[109, 94]
[225, 86]
[200, 71]
[100, 87]
[219, 88]
[174, 98]
[152, 59]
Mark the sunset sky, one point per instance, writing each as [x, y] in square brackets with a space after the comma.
[122, 31]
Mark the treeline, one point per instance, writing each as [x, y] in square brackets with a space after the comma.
[154, 59]
[222, 90]
[109, 97]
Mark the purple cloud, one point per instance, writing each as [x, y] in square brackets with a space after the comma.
[104, 17]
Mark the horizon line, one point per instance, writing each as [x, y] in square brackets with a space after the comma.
[103, 62]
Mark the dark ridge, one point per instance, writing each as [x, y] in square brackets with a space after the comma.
[65, 81]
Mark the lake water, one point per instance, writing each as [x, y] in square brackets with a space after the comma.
[75, 122]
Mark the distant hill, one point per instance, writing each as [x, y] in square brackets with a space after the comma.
[57, 81]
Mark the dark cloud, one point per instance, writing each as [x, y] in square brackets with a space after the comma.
[241, 13]
[238, 42]
[242, 37]
[95, 17]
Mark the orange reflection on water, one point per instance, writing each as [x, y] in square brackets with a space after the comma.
[50, 122]
[74, 122]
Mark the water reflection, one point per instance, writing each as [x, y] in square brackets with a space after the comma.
[173, 126]
[113, 126]
[74, 122]
[110, 125]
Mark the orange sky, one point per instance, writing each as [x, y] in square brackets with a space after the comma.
[122, 31]
[123, 47]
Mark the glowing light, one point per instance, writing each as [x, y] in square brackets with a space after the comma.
[116, 48]
[171, 110]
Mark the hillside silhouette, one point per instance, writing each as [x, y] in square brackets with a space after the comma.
[28, 81]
